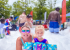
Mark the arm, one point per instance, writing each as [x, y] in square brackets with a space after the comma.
[18, 44]
[33, 41]
[26, 24]
[19, 19]
[49, 18]
[31, 24]
[59, 18]
[47, 42]
[5, 30]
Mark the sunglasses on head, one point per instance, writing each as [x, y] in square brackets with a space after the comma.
[23, 31]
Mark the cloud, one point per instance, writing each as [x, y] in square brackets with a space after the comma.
[58, 4]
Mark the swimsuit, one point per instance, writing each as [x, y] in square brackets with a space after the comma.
[43, 41]
[27, 45]
[21, 24]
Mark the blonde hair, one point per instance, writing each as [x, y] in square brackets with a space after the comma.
[39, 27]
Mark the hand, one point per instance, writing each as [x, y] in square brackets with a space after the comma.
[26, 23]
[8, 26]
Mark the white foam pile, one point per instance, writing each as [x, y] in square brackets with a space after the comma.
[62, 40]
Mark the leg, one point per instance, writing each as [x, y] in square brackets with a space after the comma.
[0, 35]
[51, 30]
[56, 30]
[51, 26]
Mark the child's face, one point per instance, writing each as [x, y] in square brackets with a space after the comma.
[4, 21]
[25, 32]
[11, 19]
[39, 33]
[29, 19]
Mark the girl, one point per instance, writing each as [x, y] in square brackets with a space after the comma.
[25, 37]
[39, 31]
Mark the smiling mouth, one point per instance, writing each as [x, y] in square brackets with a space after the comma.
[25, 35]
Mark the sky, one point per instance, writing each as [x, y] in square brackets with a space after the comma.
[58, 4]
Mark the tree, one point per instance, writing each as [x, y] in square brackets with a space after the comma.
[51, 5]
[19, 7]
[4, 8]
[68, 6]
[39, 9]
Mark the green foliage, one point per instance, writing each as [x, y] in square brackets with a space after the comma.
[4, 8]
[60, 11]
[41, 7]
[68, 6]
[51, 4]
[19, 7]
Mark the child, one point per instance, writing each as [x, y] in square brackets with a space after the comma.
[7, 24]
[39, 31]
[25, 37]
[28, 22]
[2, 29]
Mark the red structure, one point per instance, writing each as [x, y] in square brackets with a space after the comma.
[63, 11]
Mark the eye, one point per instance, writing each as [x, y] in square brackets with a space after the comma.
[23, 31]
[41, 32]
[28, 31]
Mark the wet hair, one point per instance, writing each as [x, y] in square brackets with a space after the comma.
[57, 9]
[29, 16]
[2, 20]
[25, 26]
[11, 17]
[39, 27]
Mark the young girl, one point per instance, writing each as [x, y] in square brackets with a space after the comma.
[25, 37]
[39, 31]
[28, 22]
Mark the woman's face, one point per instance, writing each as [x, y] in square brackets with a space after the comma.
[25, 32]
[39, 33]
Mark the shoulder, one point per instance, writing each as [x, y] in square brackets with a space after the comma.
[57, 12]
[18, 40]
[51, 12]
[46, 41]
[34, 40]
